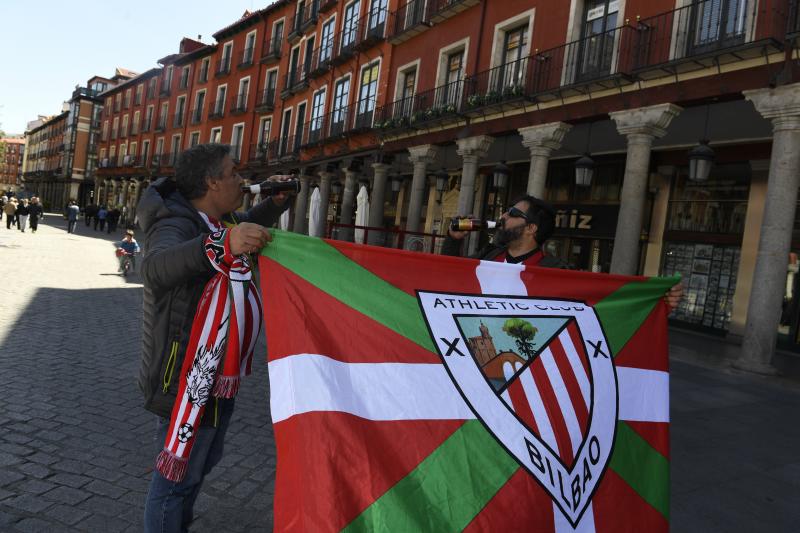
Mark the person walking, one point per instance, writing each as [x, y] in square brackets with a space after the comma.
[89, 212]
[3, 201]
[112, 218]
[196, 271]
[22, 215]
[10, 210]
[36, 212]
[73, 211]
[102, 214]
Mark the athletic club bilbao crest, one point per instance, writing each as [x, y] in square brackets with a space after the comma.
[540, 376]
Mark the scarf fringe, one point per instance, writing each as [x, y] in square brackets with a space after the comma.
[226, 386]
[171, 466]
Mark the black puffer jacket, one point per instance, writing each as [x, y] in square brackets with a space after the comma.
[175, 271]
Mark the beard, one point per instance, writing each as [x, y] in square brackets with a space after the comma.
[506, 236]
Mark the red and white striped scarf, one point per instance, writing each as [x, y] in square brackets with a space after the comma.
[220, 350]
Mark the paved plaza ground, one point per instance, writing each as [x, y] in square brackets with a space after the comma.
[76, 447]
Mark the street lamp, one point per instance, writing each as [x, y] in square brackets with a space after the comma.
[584, 171]
[397, 182]
[701, 157]
[500, 174]
[336, 187]
[441, 179]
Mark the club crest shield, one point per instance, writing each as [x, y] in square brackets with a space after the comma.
[539, 374]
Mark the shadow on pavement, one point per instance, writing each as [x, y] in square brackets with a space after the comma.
[76, 446]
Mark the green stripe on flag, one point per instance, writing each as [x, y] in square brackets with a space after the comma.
[325, 267]
[446, 490]
[642, 467]
[623, 311]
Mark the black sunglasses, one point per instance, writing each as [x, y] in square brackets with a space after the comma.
[518, 213]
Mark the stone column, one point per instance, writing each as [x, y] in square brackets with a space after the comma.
[301, 206]
[471, 150]
[324, 200]
[541, 140]
[782, 106]
[419, 156]
[641, 126]
[348, 200]
[380, 175]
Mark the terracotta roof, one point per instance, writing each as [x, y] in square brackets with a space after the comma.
[248, 18]
[125, 73]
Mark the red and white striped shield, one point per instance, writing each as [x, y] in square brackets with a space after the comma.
[539, 375]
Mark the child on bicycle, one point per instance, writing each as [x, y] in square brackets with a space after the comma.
[127, 248]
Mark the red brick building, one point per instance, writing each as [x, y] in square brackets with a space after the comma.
[13, 153]
[462, 105]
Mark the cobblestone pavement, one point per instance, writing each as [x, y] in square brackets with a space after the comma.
[76, 447]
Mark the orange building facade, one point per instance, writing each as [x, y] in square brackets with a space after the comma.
[11, 164]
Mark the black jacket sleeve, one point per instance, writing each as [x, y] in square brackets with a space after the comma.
[172, 256]
[452, 246]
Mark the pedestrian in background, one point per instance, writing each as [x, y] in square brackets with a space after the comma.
[102, 214]
[73, 211]
[10, 210]
[112, 218]
[36, 212]
[89, 212]
[3, 200]
[22, 215]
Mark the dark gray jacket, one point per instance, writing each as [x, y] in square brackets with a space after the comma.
[175, 271]
[452, 247]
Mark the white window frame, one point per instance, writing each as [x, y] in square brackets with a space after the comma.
[247, 94]
[159, 146]
[188, 70]
[132, 150]
[290, 111]
[444, 53]
[174, 147]
[193, 135]
[261, 139]
[252, 48]
[205, 66]
[215, 133]
[178, 100]
[139, 93]
[332, 18]
[344, 20]
[499, 36]
[226, 46]
[145, 151]
[400, 77]
[137, 119]
[125, 121]
[115, 128]
[216, 98]
[237, 151]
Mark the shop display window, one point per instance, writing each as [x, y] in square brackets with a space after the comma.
[709, 279]
[718, 205]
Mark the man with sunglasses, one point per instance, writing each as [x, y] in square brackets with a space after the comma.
[520, 237]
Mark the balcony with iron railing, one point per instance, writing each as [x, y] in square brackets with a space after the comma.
[441, 10]
[271, 50]
[259, 152]
[303, 20]
[595, 62]
[266, 101]
[197, 116]
[410, 19]
[325, 5]
[342, 121]
[503, 87]
[321, 59]
[146, 125]
[247, 58]
[239, 104]
[344, 46]
[295, 80]
[161, 125]
[223, 67]
[707, 34]
[165, 89]
[437, 106]
[288, 148]
[217, 109]
[371, 29]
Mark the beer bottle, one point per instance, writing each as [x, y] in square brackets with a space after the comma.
[471, 224]
[268, 188]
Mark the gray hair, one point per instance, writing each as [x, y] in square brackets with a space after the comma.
[197, 164]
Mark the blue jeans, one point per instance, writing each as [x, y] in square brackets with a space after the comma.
[169, 506]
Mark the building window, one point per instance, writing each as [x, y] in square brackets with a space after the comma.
[597, 38]
[145, 151]
[249, 48]
[237, 136]
[277, 36]
[326, 40]
[216, 135]
[127, 99]
[135, 128]
[286, 126]
[377, 16]
[148, 118]
[132, 151]
[264, 130]
[449, 94]
[124, 132]
[367, 94]
[341, 94]
[175, 149]
[241, 98]
[225, 62]
[138, 98]
[162, 117]
[194, 139]
[180, 111]
[317, 116]
[219, 103]
[512, 70]
[199, 104]
[115, 128]
[350, 25]
[204, 70]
